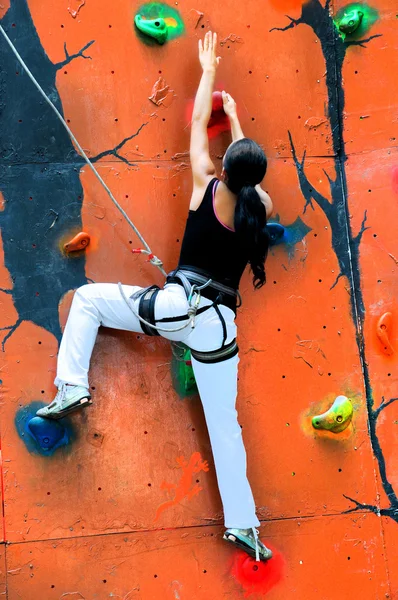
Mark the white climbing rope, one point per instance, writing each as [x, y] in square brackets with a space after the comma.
[191, 313]
[193, 302]
[154, 260]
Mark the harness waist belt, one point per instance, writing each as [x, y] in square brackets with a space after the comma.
[202, 279]
[186, 276]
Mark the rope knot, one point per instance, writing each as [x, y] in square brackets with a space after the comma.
[192, 310]
[154, 260]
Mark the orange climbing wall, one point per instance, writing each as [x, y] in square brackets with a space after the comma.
[79, 523]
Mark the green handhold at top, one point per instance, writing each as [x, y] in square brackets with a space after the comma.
[154, 28]
[350, 21]
[337, 418]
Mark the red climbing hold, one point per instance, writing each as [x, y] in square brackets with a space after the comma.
[219, 121]
[258, 577]
[79, 242]
[217, 102]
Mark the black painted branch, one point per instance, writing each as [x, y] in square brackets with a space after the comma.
[334, 50]
[336, 280]
[383, 405]
[308, 190]
[114, 151]
[358, 237]
[378, 452]
[391, 511]
[11, 329]
[359, 506]
[293, 23]
[362, 42]
[331, 181]
[70, 57]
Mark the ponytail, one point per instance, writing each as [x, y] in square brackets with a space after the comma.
[250, 224]
[245, 165]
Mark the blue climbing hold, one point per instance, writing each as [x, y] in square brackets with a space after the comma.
[276, 233]
[42, 436]
[48, 434]
[287, 236]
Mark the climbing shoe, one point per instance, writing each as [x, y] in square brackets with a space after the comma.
[68, 399]
[247, 540]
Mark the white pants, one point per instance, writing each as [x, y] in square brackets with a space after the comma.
[102, 304]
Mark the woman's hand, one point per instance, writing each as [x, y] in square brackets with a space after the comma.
[229, 104]
[207, 52]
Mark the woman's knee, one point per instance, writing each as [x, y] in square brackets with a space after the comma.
[89, 292]
[85, 291]
[86, 297]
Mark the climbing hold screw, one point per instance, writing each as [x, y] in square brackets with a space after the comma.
[337, 418]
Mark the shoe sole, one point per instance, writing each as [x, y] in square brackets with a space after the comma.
[250, 551]
[82, 403]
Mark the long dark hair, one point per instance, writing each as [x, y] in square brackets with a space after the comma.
[245, 165]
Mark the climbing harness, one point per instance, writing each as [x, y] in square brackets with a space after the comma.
[146, 309]
[192, 281]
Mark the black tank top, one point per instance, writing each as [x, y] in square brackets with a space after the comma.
[211, 246]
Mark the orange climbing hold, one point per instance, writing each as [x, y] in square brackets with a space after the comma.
[4, 6]
[384, 326]
[79, 242]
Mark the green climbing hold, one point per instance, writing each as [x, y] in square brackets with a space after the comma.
[350, 21]
[182, 371]
[337, 418]
[188, 377]
[158, 23]
[154, 28]
[354, 20]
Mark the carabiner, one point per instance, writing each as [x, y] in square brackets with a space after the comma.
[202, 287]
[191, 293]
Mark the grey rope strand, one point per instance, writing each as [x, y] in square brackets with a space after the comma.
[155, 260]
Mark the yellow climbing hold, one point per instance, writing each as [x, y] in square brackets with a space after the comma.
[337, 418]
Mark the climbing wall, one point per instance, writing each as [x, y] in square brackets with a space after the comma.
[121, 501]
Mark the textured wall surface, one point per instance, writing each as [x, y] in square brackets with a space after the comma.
[115, 502]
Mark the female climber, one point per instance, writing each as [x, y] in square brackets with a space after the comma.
[225, 231]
